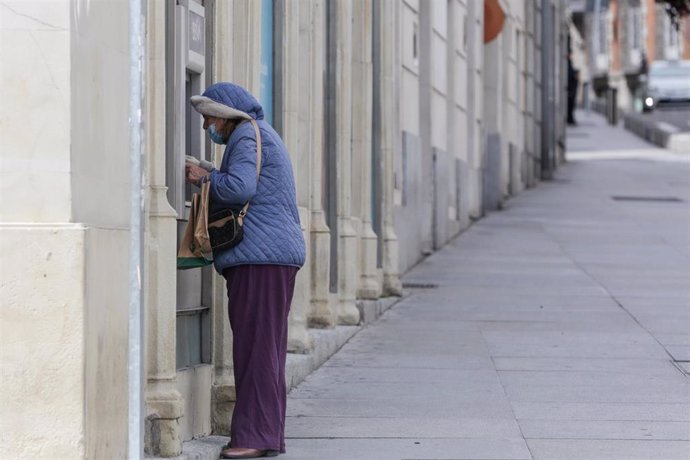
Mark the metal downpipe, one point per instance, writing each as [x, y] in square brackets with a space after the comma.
[135, 426]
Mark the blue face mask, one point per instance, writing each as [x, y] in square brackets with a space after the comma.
[215, 135]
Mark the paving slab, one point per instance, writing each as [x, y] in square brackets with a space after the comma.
[401, 361]
[529, 327]
[613, 449]
[679, 352]
[568, 350]
[659, 308]
[605, 429]
[407, 449]
[600, 378]
[613, 317]
[578, 411]
[498, 408]
[663, 324]
[572, 338]
[651, 292]
[630, 393]
[674, 339]
[385, 393]
[335, 375]
[488, 297]
[582, 364]
[401, 427]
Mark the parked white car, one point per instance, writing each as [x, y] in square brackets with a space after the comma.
[668, 82]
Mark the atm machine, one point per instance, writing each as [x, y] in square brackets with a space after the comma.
[187, 63]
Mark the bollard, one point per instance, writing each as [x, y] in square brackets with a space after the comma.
[585, 96]
[607, 104]
[612, 105]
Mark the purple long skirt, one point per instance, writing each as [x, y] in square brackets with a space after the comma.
[259, 299]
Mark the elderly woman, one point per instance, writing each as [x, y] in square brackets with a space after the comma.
[260, 271]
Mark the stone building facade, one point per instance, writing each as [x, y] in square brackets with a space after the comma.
[403, 127]
[628, 35]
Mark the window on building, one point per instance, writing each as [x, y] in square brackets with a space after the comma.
[672, 41]
[635, 28]
[605, 32]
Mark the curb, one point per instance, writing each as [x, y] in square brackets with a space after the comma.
[658, 133]
[326, 342]
[371, 310]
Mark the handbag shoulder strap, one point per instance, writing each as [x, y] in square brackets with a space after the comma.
[243, 212]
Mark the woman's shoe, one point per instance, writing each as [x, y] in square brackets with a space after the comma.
[243, 452]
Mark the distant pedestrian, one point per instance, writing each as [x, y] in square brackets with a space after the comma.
[260, 271]
[573, 82]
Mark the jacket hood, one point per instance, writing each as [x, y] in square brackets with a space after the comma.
[227, 100]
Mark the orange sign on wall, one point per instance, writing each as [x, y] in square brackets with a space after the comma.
[493, 19]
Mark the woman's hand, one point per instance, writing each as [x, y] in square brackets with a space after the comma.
[193, 174]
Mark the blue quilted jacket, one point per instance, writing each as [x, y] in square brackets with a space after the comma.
[272, 232]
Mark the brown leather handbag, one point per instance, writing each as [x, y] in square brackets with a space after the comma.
[226, 226]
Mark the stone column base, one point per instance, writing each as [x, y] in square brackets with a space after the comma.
[298, 339]
[391, 276]
[223, 399]
[322, 315]
[348, 314]
[369, 287]
[162, 436]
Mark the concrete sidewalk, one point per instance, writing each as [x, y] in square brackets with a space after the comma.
[558, 329]
[666, 127]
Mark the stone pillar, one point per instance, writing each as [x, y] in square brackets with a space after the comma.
[494, 105]
[528, 126]
[347, 237]
[164, 404]
[454, 126]
[509, 116]
[539, 88]
[295, 105]
[475, 134]
[233, 22]
[223, 395]
[322, 313]
[226, 68]
[389, 130]
[43, 312]
[238, 47]
[426, 196]
[362, 105]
